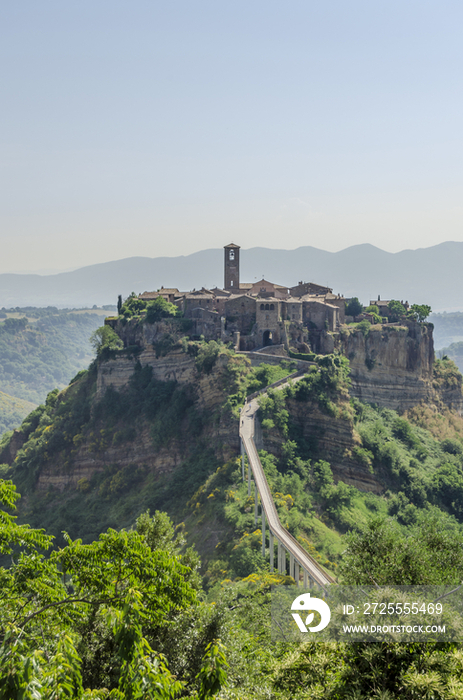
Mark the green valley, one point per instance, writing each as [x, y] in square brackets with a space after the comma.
[40, 349]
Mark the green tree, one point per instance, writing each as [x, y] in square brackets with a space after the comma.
[373, 309]
[396, 310]
[381, 553]
[419, 312]
[99, 599]
[159, 309]
[354, 307]
[105, 338]
[132, 306]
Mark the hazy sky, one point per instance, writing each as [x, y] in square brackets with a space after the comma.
[162, 128]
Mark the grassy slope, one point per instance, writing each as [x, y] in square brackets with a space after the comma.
[13, 411]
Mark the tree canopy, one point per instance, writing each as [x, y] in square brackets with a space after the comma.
[105, 338]
[83, 614]
[160, 308]
[396, 310]
[354, 307]
[419, 312]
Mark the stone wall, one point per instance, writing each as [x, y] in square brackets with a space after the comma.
[320, 315]
[240, 313]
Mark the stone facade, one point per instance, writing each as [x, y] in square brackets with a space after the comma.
[263, 288]
[240, 313]
[320, 315]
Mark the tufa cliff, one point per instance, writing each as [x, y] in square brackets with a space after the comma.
[393, 366]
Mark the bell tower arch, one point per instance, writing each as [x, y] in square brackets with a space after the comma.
[232, 268]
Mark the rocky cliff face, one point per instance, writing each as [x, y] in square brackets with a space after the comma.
[392, 366]
[331, 439]
[176, 366]
[97, 455]
[96, 450]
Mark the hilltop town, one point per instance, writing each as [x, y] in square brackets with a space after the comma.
[306, 317]
[258, 314]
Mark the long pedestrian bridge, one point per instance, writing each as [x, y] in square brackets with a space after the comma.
[301, 564]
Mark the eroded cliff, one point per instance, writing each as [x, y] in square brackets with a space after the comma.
[393, 366]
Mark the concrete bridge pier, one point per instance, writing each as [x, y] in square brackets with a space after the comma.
[256, 500]
[270, 544]
[281, 559]
[296, 572]
[249, 479]
[308, 581]
[263, 530]
[242, 458]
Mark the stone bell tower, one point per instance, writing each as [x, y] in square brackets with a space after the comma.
[232, 268]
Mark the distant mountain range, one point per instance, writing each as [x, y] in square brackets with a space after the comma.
[427, 275]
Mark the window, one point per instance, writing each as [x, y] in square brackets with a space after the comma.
[231, 283]
[262, 307]
[232, 255]
[266, 307]
[272, 307]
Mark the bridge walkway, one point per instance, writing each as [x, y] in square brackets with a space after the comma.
[298, 558]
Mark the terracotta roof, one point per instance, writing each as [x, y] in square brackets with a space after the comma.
[220, 292]
[196, 295]
[240, 296]
[318, 300]
[313, 297]
[203, 290]
[231, 245]
[154, 295]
